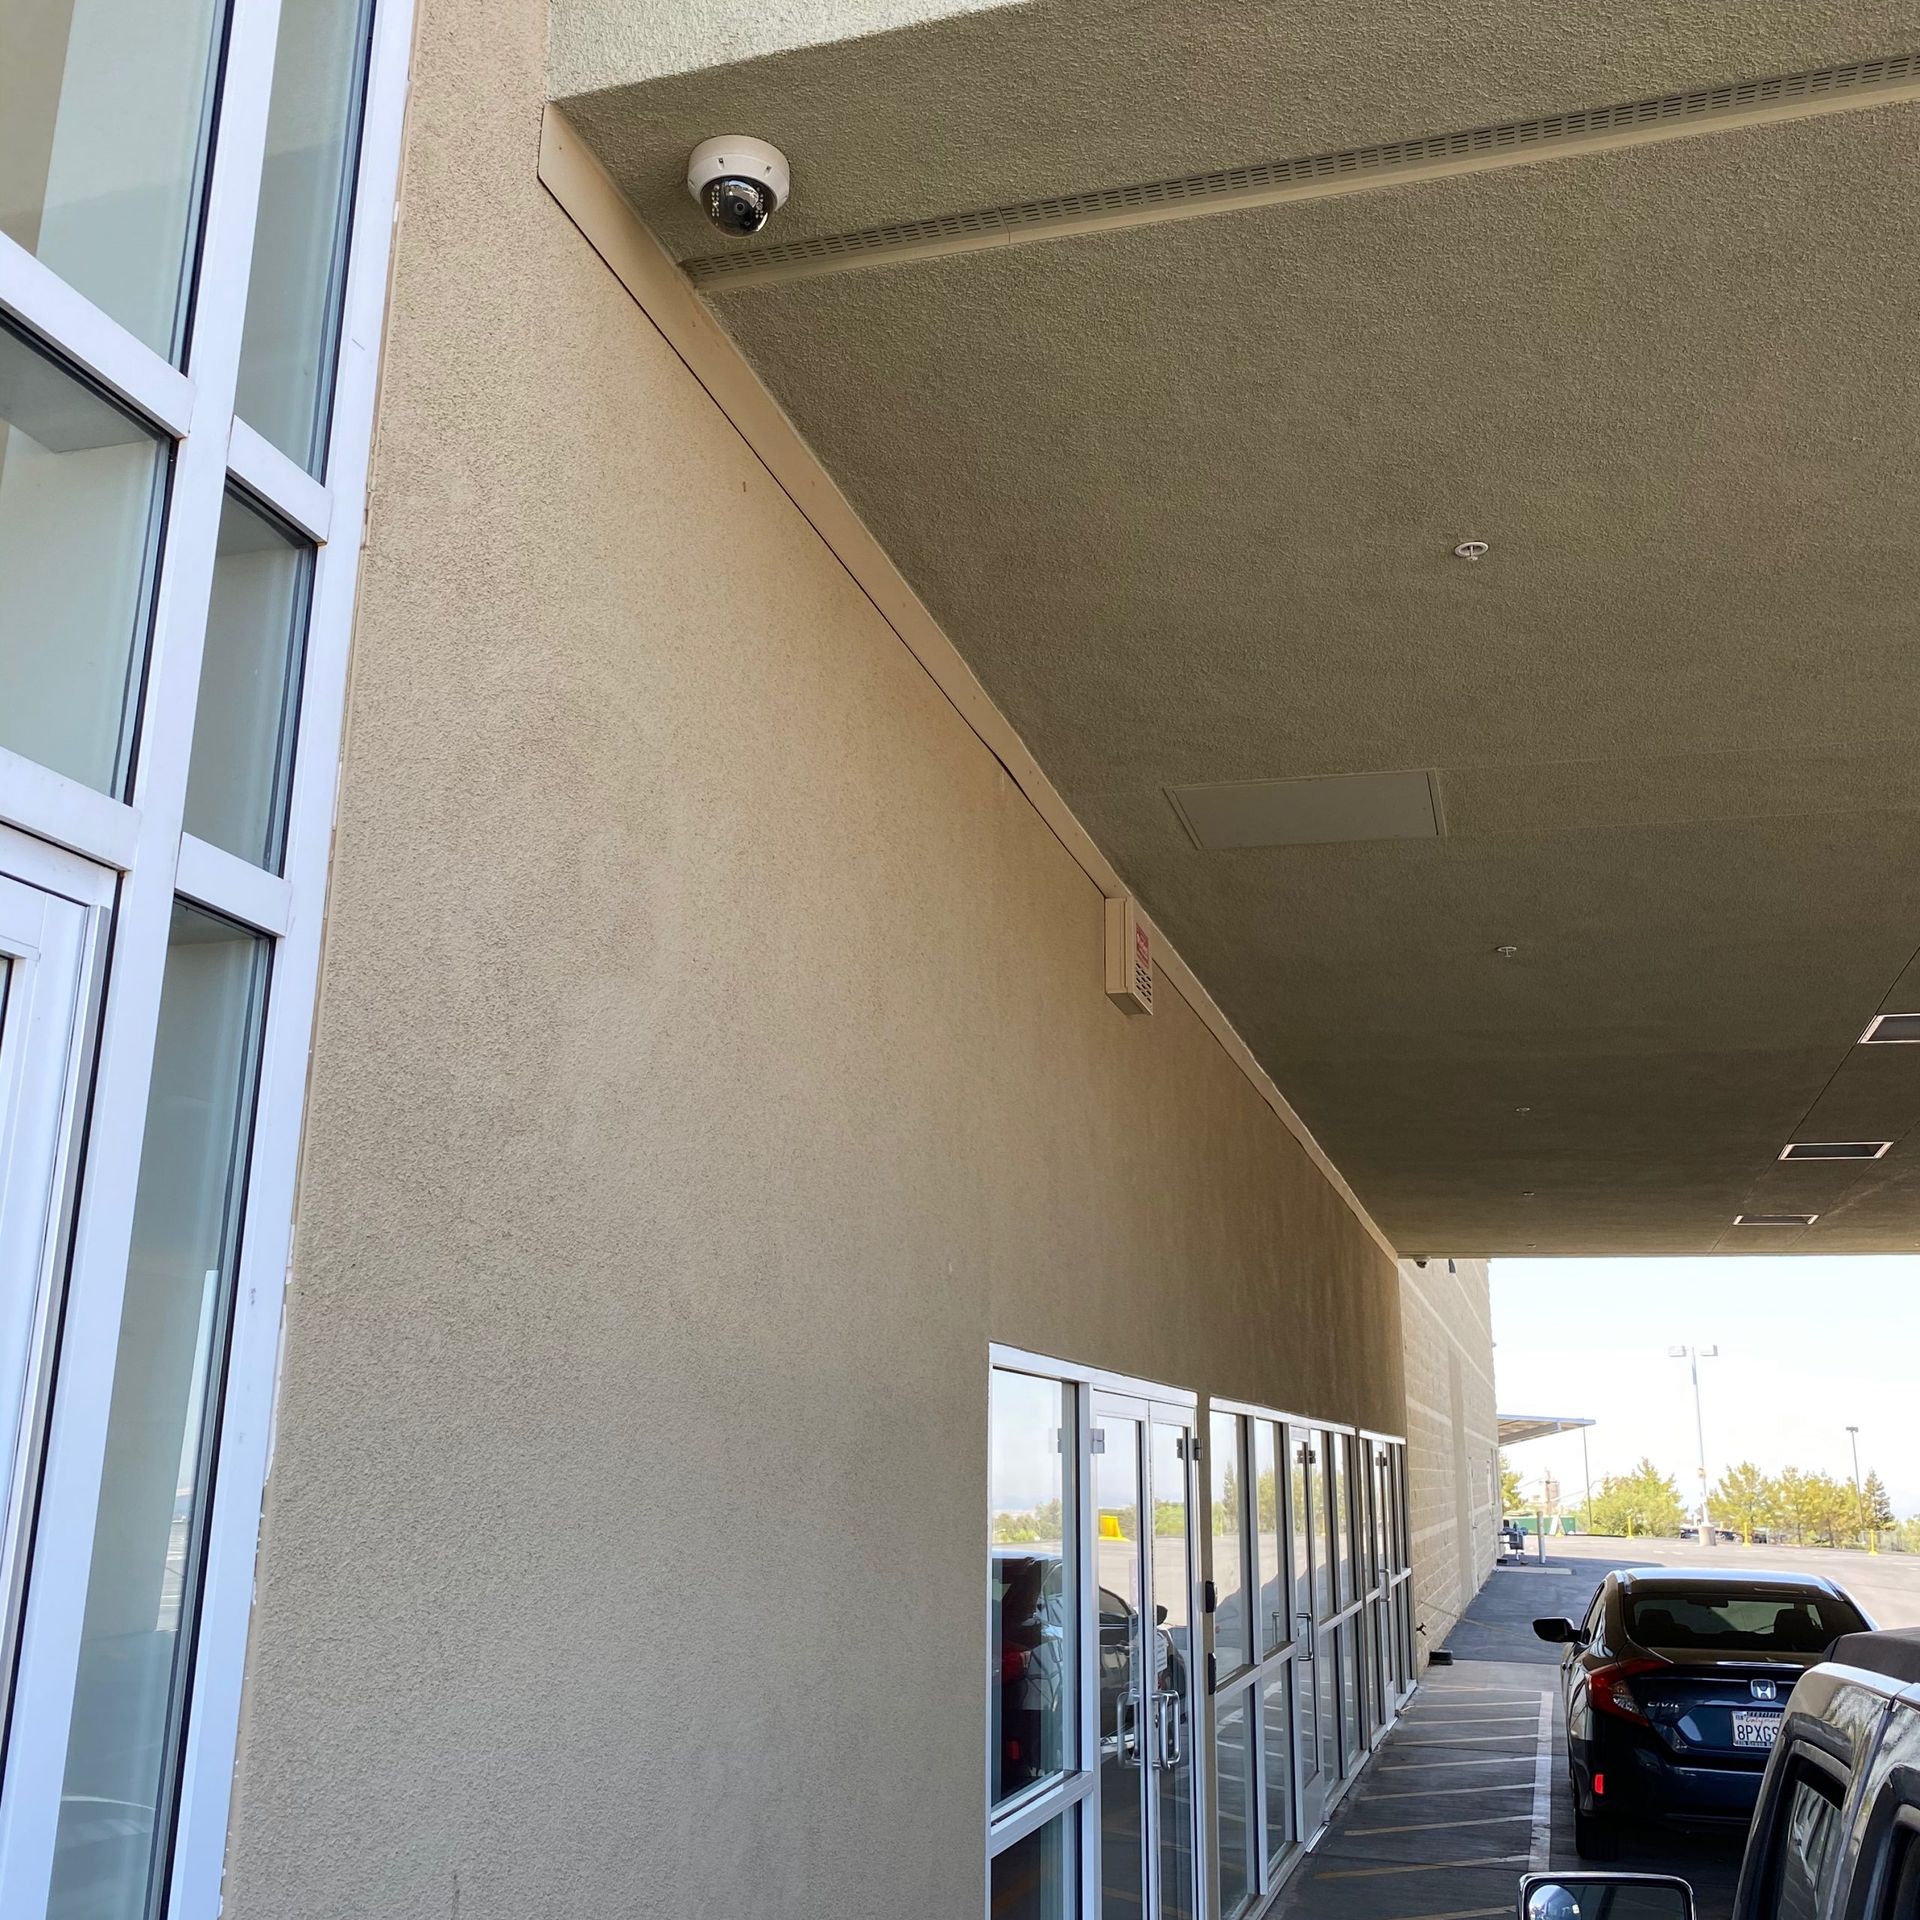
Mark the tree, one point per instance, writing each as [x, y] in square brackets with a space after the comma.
[1796, 1504]
[1744, 1499]
[1512, 1500]
[1878, 1515]
[1643, 1501]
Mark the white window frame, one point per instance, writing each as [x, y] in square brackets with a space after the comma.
[135, 848]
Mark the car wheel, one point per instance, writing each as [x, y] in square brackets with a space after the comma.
[1594, 1838]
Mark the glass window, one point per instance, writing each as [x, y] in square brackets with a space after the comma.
[1233, 1803]
[1339, 1542]
[300, 241]
[81, 485]
[1230, 1641]
[1037, 1878]
[129, 1700]
[249, 684]
[1276, 1720]
[1331, 1525]
[1269, 1566]
[1034, 1653]
[1789, 1620]
[104, 113]
[1806, 1857]
[1350, 1693]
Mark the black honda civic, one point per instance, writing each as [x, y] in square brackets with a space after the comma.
[1674, 1683]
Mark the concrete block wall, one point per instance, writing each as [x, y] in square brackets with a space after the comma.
[1446, 1321]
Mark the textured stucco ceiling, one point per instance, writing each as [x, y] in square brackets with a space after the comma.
[1184, 496]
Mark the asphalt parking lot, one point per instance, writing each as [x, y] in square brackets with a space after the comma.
[1469, 1791]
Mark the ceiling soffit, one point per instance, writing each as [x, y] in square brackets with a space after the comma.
[1200, 481]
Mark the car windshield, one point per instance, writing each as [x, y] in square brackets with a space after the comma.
[1686, 1618]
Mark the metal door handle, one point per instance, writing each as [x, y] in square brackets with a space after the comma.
[1167, 1718]
[1303, 1632]
[1128, 1729]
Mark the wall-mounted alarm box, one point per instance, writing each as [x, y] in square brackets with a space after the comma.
[1129, 958]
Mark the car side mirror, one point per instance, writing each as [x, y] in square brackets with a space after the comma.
[1557, 1631]
[1604, 1896]
[1159, 1616]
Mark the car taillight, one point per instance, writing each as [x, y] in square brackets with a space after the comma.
[1608, 1691]
[1013, 1664]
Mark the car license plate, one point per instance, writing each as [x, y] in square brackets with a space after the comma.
[1755, 1729]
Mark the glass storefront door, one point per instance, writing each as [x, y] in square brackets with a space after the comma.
[1143, 1492]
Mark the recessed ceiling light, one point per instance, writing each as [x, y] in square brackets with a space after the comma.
[1892, 1030]
[1470, 550]
[1835, 1149]
[1774, 1219]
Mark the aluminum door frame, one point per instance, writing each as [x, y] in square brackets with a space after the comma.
[1147, 1408]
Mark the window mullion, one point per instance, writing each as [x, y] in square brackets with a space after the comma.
[99, 346]
[63, 1546]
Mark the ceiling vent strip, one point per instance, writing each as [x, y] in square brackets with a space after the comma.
[1774, 1219]
[1312, 176]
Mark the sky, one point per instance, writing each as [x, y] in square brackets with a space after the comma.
[1807, 1345]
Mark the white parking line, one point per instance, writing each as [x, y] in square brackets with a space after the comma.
[1448, 1793]
[1422, 1866]
[1435, 1766]
[1542, 1849]
[1434, 1826]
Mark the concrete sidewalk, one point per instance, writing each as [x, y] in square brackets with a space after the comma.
[1452, 1810]
[1469, 1791]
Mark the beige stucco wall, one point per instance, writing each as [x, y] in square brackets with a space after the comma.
[712, 1059]
[1446, 1318]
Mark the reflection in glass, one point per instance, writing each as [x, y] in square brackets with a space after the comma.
[1276, 1739]
[1320, 1496]
[1271, 1610]
[142, 1588]
[1339, 1515]
[1032, 1653]
[1231, 1651]
[1353, 1745]
[1119, 1573]
[1299, 1444]
[288, 346]
[1327, 1712]
[1306, 1702]
[249, 679]
[80, 494]
[105, 107]
[1037, 1878]
[1233, 1780]
[1382, 1513]
[1172, 1662]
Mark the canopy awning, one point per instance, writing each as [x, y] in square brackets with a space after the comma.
[1515, 1427]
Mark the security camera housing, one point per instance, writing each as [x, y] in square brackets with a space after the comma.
[740, 183]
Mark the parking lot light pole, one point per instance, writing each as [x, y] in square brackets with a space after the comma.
[1693, 1356]
[1859, 1499]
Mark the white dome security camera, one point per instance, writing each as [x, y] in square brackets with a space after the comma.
[738, 182]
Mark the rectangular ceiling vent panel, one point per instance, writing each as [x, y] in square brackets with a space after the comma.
[1835, 1150]
[1892, 1030]
[1774, 1219]
[1302, 813]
